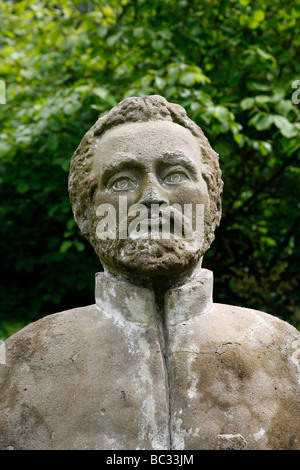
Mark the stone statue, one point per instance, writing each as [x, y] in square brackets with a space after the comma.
[154, 364]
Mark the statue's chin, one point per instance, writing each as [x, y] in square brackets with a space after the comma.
[149, 259]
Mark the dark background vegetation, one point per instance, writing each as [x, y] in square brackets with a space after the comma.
[231, 64]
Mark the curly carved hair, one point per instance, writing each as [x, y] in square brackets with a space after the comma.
[139, 109]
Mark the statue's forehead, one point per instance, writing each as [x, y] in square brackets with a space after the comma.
[150, 128]
[144, 140]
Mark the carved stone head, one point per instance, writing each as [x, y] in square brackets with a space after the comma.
[146, 154]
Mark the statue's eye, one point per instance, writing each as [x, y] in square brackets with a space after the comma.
[176, 177]
[123, 184]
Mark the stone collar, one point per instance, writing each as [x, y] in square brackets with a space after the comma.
[124, 301]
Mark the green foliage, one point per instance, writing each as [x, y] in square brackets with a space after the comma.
[229, 63]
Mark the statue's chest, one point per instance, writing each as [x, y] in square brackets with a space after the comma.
[154, 393]
[126, 388]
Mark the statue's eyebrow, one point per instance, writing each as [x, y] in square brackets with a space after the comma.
[119, 163]
[179, 158]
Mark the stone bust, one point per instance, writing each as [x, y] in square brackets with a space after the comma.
[154, 363]
[144, 143]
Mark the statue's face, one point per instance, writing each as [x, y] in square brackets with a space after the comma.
[150, 163]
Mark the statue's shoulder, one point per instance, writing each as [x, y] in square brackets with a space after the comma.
[54, 369]
[254, 329]
[243, 317]
[59, 332]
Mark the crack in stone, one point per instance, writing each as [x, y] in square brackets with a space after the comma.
[163, 342]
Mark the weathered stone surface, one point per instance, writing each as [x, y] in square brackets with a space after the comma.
[231, 442]
[107, 377]
[154, 364]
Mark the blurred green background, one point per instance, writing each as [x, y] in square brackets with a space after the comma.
[231, 64]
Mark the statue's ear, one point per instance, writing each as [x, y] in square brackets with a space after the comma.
[81, 216]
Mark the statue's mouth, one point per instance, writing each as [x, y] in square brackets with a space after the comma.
[157, 227]
[163, 221]
[164, 225]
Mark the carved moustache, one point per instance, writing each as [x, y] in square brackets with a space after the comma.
[155, 222]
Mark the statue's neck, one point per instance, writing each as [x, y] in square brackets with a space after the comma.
[131, 302]
[160, 284]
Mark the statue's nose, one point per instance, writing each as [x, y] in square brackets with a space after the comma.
[153, 194]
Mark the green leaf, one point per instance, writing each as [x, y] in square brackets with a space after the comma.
[263, 99]
[247, 103]
[285, 127]
[160, 82]
[257, 18]
[22, 187]
[259, 15]
[71, 223]
[65, 246]
[82, 88]
[79, 246]
[102, 31]
[264, 122]
[258, 86]
[187, 79]
[68, 108]
[101, 92]
[112, 40]
[278, 94]
[283, 107]
[269, 241]
[146, 81]
[265, 55]
[5, 147]
[158, 45]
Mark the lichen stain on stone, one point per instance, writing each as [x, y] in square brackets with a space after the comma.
[260, 434]
[295, 357]
[179, 434]
[193, 379]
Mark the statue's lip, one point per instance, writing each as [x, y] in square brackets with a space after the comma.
[161, 223]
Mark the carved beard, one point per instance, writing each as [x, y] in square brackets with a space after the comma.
[147, 258]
